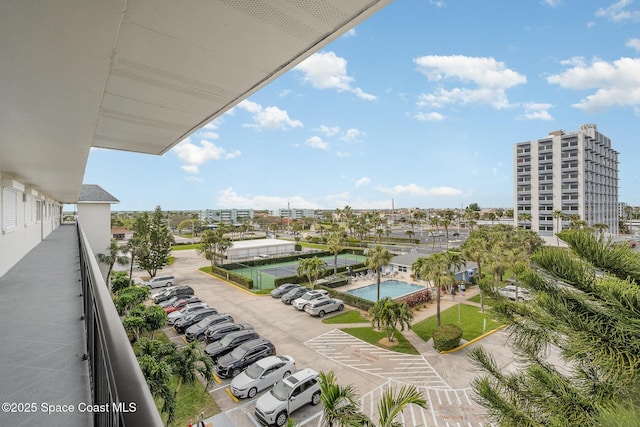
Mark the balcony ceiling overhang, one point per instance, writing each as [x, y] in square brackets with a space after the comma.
[140, 75]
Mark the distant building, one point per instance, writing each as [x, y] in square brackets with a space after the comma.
[227, 216]
[576, 173]
[293, 213]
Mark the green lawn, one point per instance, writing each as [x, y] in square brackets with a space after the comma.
[185, 247]
[471, 322]
[372, 336]
[349, 316]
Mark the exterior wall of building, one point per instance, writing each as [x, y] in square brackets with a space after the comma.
[228, 216]
[575, 173]
[95, 219]
[26, 217]
[293, 213]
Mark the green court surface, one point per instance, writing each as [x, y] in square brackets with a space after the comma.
[264, 275]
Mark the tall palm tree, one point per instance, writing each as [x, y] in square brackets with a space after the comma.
[390, 313]
[377, 258]
[335, 244]
[558, 216]
[312, 269]
[435, 268]
[112, 257]
[340, 403]
[524, 217]
[188, 362]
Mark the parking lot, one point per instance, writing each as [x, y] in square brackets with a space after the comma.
[443, 379]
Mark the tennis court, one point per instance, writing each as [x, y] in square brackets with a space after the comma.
[264, 275]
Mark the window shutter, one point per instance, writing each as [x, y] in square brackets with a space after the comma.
[9, 209]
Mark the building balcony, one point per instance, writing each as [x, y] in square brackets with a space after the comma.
[62, 346]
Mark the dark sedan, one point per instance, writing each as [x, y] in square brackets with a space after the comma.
[197, 331]
[183, 323]
[294, 294]
[227, 344]
[217, 332]
[283, 289]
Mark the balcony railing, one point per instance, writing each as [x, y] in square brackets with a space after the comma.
[117, 383]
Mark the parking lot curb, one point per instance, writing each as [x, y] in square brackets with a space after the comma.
[226, 282]
[468, 343]
[235, 399]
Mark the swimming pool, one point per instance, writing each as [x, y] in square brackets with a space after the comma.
[389, 288]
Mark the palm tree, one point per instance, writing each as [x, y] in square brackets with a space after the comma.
[377, 258]
[393, 402]
[390, 313]
[475, 249]
[188, 362]
[335, 244]
[339, 403]
[435, 268]
[111, 257]
[558, 215]
[524, 217]
[312, 268]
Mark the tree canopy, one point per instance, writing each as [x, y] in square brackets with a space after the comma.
[586, 309]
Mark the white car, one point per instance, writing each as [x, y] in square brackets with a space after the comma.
[509, 291]
[288, 395]
[187, 309]
[301, 302]
[322, 306]
[261, 375]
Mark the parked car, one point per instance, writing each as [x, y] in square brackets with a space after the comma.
[159, 282]
[197, 331]
[233, 363]
[178, 291]
[180, 303]
[165, 291]
[182, 324]
[283, 289]
[301, 302]
[187, 309]
[509, 291]
[261, 375]
[226, 345]
[321, 306]
[217, 332]
[288, 395]
[294, 294]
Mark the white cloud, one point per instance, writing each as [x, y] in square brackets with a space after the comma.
[326, 70]
[350, 33]
[490, 77]
[617, 12]
[342, 154]
[271, 118]
[536, 111]
[417, 190]
[634, 43]
[317, 142]
[616, 83]
[195, 155]
[429, 117]
[329, 130]
[363, 181]
[230, 199]
[352, 134]
[437, 3]
[552, 3]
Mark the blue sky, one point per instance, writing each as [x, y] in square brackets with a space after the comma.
[422, 103]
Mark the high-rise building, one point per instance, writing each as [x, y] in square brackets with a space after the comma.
[573, 173]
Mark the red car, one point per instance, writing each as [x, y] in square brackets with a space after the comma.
[180, 304]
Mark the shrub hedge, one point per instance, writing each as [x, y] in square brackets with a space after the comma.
[446, 337]
[417, 298]
[230, 276]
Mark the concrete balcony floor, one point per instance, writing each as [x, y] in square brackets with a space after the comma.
[42, 338]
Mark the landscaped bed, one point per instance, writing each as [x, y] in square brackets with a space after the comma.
[471, 322]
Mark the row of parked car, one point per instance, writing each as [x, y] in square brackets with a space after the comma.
[241, 354]
[315, 302]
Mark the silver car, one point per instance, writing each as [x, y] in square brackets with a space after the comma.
[321, 306]
[187, 309]
[261, 375]
[301, 302]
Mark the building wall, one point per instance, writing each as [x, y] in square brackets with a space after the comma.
[95, 219]
[32, 215]
[576, 173]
